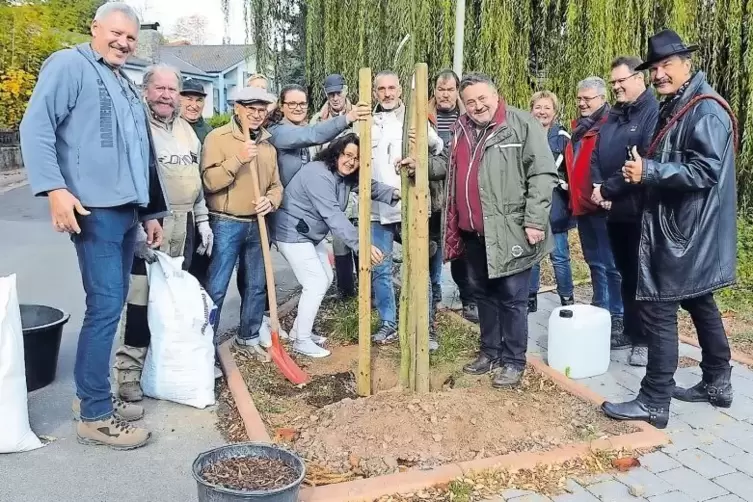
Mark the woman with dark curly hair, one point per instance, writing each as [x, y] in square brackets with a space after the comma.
[314, 205]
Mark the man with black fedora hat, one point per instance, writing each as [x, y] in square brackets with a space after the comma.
[688, 231]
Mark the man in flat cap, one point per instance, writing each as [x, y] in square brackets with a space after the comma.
[688, 231]
[229, 156]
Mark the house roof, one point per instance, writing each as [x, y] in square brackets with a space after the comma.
[199, 59]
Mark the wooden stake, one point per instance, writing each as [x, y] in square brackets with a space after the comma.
[364, 240]
[406, 321]
[419, 223]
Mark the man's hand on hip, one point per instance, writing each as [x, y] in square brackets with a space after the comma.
[534, 236]
[63, 209]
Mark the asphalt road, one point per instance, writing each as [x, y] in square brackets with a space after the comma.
[65, 471]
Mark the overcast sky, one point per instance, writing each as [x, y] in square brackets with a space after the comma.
[166, 12]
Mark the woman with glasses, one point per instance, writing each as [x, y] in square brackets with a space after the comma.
[292, 137]
[313, 206]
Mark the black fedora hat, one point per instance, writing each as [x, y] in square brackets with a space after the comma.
[664, 44]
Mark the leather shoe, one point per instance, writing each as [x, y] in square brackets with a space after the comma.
[637, 410]
[718, 393]
[482, 365]
[507, 376]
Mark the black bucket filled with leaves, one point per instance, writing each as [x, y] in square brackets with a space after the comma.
[248, 471]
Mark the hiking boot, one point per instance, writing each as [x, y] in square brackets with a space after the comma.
[620, 341]
[637, 410]
[506, 376]
[567, 300]
[718, 392]
[121, 410]
[482, 365]
[116, 434]
[385, 334]
[307, 347]
[638, 356]
[433, 340]
[533, 303]
[470, 312]
[436, 294]
[251, 348]
[130, 392]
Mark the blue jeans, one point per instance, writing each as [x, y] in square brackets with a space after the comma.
[563, 274]
[105, 254]
[597, 251]
[383, 237]
[234, 239]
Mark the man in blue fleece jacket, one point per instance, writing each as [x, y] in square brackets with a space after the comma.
[86, 146]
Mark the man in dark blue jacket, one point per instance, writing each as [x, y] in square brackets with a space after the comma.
[631, 122]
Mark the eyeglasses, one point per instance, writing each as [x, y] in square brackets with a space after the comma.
[293, 105]
[621, 80]
[255, 110]
[584, 99]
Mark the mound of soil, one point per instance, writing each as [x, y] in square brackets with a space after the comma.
[392, 431]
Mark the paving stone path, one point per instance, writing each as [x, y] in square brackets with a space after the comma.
[711, 454]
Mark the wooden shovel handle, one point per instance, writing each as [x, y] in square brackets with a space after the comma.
[269, 271]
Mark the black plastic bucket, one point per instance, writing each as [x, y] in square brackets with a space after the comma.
[213, 493]
[43, 330]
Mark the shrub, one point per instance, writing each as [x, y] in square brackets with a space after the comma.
[219, 120]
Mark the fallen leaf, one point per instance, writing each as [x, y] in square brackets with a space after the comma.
[285, 434]
[625, 464]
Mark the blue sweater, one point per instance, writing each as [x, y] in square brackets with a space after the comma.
[86, 130]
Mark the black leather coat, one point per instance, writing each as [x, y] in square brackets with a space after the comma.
[688, 231]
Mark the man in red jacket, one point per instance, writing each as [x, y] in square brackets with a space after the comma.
[592, 222]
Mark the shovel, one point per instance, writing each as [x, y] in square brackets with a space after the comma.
[282, 360]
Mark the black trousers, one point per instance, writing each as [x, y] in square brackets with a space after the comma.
[659, 321]
[624, 239]
[459, 272]
[502, 307]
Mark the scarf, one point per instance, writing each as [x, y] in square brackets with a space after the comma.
[669, 104]
[584, 124]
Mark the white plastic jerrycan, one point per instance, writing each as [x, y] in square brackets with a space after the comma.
[579, 340]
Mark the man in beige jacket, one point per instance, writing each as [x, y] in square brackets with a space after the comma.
[229, 156]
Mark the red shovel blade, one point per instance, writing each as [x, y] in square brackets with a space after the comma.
[284, 363]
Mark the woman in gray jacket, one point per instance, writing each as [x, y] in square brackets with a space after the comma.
[314, 205]
[292, 137]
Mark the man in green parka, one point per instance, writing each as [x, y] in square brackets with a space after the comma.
[499, 186]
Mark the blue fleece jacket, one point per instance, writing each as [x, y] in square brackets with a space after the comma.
[85, 129]
[293, 141]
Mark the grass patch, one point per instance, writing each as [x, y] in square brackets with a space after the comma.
[338, 320]
[457, 339]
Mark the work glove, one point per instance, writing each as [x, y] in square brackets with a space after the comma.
[142, 249]
[207, 239]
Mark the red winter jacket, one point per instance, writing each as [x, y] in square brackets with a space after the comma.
[579, 170]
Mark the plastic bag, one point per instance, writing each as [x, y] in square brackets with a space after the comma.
[179, 365]
[15, 433]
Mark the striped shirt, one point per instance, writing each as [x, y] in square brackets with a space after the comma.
[445, 123]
